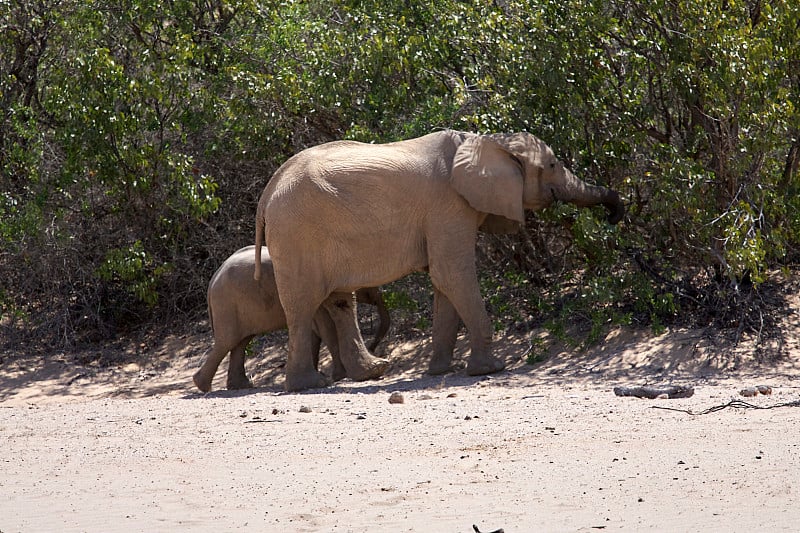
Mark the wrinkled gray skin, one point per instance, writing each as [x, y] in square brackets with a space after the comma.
[239, 308]
[345, 215]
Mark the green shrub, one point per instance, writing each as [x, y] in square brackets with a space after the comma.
[136, 137]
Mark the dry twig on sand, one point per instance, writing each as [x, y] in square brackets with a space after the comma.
[652, 392]
[735, 404]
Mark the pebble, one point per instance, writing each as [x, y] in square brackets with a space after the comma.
[305, 409]
[397, 397]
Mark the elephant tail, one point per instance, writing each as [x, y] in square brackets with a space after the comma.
[259, 240]
[211, 318]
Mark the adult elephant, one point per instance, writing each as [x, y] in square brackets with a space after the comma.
[345, 215]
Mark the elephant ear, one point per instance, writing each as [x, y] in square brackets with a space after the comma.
[489, 177]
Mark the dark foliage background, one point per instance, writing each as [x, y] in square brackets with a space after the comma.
[136, 136]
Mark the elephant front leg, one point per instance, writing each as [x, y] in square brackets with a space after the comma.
[445, 332]
[301, 370]
[357, 361]
[481, 360]
[459, 283]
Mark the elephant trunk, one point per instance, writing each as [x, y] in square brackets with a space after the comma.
[582, 194]
[613, 203]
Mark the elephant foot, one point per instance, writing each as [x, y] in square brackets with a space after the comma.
[442, 362]
[371, 368]
[338, 373]
[484, 365]
[310, 380]
[239, 383]
[202, 381]
[438, 368]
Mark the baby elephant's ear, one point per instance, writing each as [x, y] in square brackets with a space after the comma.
[489, 177]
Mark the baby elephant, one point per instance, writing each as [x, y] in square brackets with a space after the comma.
[240, 307]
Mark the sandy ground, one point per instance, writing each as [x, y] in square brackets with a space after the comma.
[549, 447]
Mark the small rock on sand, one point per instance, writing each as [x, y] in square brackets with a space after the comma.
[397, 397]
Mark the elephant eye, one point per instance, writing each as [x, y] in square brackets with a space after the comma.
[552, 165]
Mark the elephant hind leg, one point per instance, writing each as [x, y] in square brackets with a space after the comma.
[326, 332]
[203, 377]
[237, 377]
[301, 363]
[373, 296]
[385, 321]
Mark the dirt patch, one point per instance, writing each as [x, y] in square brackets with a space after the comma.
[132, 446]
